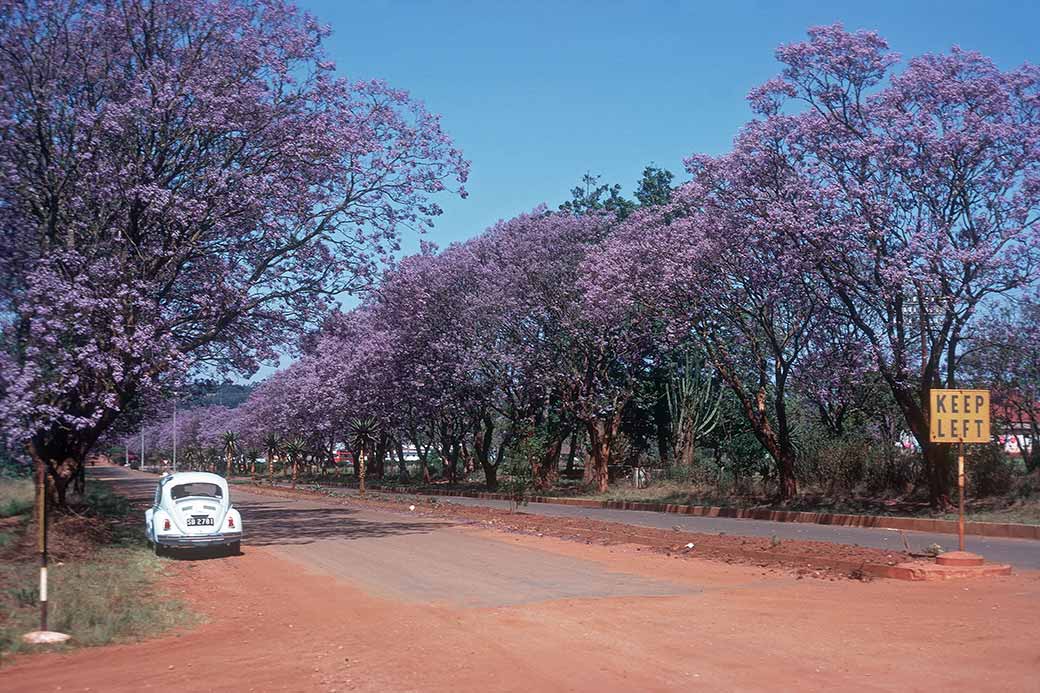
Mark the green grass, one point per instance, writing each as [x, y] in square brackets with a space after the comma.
[1025, 512]
[111, 596]
[16, 496]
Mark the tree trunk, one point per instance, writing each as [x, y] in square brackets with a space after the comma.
[687, 449]
[662, 417]
[939, 469]
[916, 411]
[449, 454]
[59, 473]
[402, 466]
[573, 450]
[482, 451]
[469, 461]
[378, 466]
[295, 470]
[361, 471]
[546, 467]
[270, 468]
[788, 485]
[601, 436]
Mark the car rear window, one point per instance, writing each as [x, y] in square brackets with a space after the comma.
[196, 489]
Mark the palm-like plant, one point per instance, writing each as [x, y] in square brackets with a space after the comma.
[364, 430]
[252, 453]
[230, 450]
[294, 449]
[271, 445]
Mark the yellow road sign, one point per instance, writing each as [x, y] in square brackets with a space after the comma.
[959, 416]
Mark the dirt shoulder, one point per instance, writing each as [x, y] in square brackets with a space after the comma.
[272, 627]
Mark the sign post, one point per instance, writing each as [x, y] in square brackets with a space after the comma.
[959, 416]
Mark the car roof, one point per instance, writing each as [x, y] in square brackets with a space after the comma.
[194, 478]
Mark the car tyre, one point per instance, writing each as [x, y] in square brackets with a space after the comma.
[158, 549]
[235, 548]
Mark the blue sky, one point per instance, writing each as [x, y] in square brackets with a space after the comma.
[536, 93]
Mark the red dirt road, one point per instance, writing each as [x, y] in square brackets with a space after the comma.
[380, 602]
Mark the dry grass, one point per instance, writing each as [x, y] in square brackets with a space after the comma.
[103, 582]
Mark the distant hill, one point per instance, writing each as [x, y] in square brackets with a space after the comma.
[225, 394]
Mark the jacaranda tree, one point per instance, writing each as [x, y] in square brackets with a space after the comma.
[184, 184]
[926, 202]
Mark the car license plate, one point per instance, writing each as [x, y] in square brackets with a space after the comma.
[200, 521]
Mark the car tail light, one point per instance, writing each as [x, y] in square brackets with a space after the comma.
[231, 522]
[166, 525]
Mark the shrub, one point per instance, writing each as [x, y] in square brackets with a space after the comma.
[517, 484]
[989, 472]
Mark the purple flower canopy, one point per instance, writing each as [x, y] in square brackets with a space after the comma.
[185, 186]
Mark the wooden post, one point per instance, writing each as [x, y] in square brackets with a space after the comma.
[41, 536]
[960, 488]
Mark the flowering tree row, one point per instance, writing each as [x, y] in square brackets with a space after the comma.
[865, 227]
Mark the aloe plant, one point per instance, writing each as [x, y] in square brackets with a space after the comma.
[294, 449]
[271, 447]
[364, 431]
[694, 399]
[230, 450]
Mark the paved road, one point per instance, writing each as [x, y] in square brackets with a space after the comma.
[1021, 553]
[378, 550]
[284, 523]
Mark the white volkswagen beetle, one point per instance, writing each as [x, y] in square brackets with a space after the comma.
[192, 510]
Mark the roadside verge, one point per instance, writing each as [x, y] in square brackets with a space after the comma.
[917, 524]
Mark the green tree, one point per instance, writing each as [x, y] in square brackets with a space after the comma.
[591, 196]
[655, 187]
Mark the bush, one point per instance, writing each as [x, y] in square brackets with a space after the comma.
[989, 472]
[897, 472]
[836, 466]
[517, 483]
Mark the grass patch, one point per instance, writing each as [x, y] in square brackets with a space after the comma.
[109, 595]
[16, 496]
[1022, 512]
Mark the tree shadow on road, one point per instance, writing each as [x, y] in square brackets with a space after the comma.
[273, 525]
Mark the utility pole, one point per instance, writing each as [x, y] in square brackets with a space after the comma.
[141, 465]
[175, 433]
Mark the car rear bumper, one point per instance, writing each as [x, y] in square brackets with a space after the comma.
[183, 542]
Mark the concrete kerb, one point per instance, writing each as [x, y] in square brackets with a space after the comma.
[986, 529]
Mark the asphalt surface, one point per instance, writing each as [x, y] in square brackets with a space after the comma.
[286, 525]
[1021, 553]
[422, 561]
